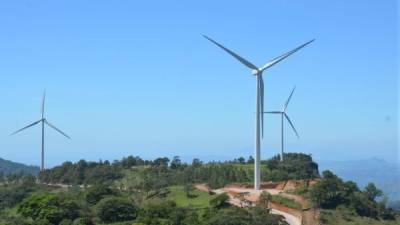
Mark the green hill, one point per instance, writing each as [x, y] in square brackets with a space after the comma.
[9, 167]
[162, 191]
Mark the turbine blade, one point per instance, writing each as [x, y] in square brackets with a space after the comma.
[283, 56]
[262, 104]
[241, 59]
[273, 112]
[55, 128]
[44, 98]
[288, 100]
[32, 124]
[291, 124]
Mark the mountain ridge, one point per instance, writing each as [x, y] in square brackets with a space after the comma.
[386, 175]
[10, 167]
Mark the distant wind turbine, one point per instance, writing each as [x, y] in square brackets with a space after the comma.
[256, 71]
[43, 121]
[284, 115]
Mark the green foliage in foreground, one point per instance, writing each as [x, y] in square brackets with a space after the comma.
[10, 195]
[160, 192]
[238, 216]
[107, 205]
[286, 202]
[346, 216]
[114, 209]
[332, 192]
[49, 207]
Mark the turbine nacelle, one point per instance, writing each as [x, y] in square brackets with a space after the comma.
[256, 72]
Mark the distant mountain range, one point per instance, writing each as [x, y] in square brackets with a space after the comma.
[7, 167]
[385, 175]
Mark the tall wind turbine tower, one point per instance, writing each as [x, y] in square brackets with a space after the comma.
[258, 72]
[283, 117]
[43, 121]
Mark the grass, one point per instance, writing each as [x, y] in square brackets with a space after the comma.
[344, 216]
[286, 202]
[197, 200]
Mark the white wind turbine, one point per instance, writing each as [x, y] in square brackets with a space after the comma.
[256, 71]
[284, 115]
[43, 121]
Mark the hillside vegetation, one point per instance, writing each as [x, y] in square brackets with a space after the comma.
[160, 192]
[9, 167]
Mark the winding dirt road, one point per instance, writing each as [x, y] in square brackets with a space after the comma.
[292, 220]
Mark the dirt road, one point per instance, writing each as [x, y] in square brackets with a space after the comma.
[292, 220]
[253, 195]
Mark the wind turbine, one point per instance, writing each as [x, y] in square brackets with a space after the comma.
[258, 71]
[284, 115]
[43, 121]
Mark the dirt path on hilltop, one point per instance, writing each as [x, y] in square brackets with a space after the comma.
[250, 196]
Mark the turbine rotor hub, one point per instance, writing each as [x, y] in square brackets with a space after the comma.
[255, 72]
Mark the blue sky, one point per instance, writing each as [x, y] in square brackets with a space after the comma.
[137, 78]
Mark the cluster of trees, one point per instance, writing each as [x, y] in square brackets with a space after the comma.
[133, 191]
[161, 172]
[105, 204]
[332, 192]
[81, 172]
[242, 160]
[154, 174]
[15, 190]
[153, 178]
[15, 177]
[296, 166]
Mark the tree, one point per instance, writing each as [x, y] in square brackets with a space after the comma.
[65, 222]
[262, 216]
[191, 219]
[264, 199]
[12, 194]
[116, 209]
[161, 162]
[232, 216]
[372, 192]
[196, 163]
[96, 192]
[48, 207]
[329, 192]
[241, 160]
[364, 206]
[176, 163]
[295, 166]
[250, 160]
[156, 209]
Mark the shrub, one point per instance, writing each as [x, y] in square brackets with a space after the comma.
[219, 200]
[115, 209]
[286, 202]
